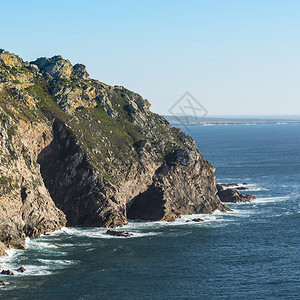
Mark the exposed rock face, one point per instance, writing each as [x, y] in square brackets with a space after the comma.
[76, 188]
[232, 195]
[26, 206]
[80, 71]
[70, 98]
[72, 147]
[10, 59]
[81, 191]
[2, 249]
[55, 66]
[184, 184]
[137, 107]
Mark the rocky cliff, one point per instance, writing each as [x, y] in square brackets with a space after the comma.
[79, 152]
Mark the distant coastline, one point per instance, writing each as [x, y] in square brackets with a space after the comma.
[236, 120]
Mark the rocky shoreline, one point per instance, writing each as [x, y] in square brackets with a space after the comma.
[77, 152]
[230, 192]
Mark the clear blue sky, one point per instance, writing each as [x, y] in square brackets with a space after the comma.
[236, 57]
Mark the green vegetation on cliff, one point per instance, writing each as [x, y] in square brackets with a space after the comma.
[107, 139]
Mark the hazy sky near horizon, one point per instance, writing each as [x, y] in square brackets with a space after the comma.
[234, 57]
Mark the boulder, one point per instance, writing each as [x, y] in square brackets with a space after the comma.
[7, 272]
[21, 269]
[171, 216]
[55, 66]
[67, 262]
[232, 195]
[197, 220]
[118, 233]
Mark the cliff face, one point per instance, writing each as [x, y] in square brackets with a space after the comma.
[75, 149]
[183, 184]
[26, 207]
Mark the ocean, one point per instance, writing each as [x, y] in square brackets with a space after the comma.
[252, 252]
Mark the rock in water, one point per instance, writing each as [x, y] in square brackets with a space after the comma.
[7, 272]
[198, 220]
[21, 269]
[233, 195]
[2, 282]
[118, 233]
[241, 188]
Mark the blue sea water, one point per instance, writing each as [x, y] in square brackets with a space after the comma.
[252, 252]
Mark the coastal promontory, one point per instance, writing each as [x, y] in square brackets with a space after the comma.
[75, 151]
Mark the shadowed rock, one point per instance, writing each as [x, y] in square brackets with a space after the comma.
[233, 195]
[7, 272]
[118, 233]
[80, 71]
[198, 220]
[55, 66]
[21, 269]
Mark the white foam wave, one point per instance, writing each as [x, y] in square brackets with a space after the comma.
[240, 212]
[37, 244]
[10, 254]
[52, 242]
[217, 216]
[99, 233]
[31, 270]
[34, 270]
[58, 232]
[57, 262]
[7, 261]
[134, 235]
[270, 199]
[249, 187]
